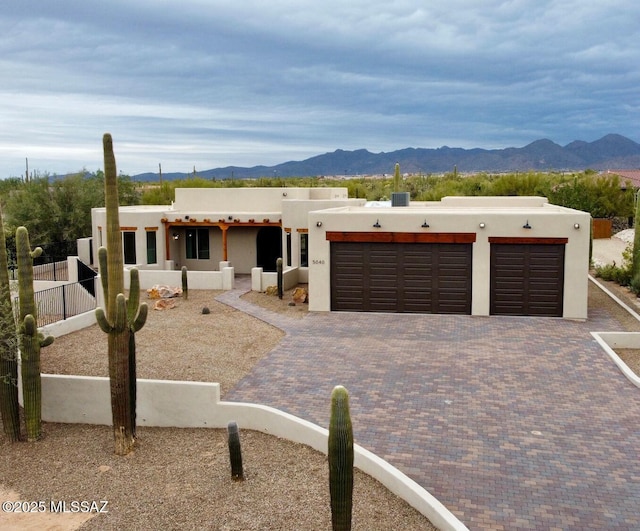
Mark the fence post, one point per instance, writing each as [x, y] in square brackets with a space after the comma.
[64, 302]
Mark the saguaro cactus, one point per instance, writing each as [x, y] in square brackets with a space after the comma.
[280, 279]
[30, 339]
[9, 407]
[123, 317]
[185, 283]
[235, 451]
[396, 178]
[340, 460]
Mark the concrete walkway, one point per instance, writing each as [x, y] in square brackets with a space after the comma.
[511, 423]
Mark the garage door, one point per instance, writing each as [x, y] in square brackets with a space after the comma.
[401, 277]
[527, 279]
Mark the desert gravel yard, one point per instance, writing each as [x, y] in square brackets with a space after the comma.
[180, 478]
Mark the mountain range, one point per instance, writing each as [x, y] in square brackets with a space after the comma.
[610, 152]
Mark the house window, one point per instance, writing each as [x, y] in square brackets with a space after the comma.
[129, 244]
[152, 255]
[197, 244]
[289, 249]
[304, 250]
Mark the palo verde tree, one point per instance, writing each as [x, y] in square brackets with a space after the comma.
[123, 317]
[57, 210]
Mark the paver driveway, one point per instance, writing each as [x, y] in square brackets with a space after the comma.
[512, 423]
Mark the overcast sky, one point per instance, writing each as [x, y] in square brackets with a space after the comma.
[211, 83]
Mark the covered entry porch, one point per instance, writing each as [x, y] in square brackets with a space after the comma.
[201, 245]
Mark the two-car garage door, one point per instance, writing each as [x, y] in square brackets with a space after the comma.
[401, 277]
[422, 276]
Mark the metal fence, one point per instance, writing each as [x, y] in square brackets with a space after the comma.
[62, 302]
[55, 271]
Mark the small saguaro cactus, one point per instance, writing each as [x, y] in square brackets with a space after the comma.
[235, 451]
[9, 407]
[396, 178]
[280, 279]
[398, 198]
[185, 283]
[123, 317]
[340, 455]
[30, 339]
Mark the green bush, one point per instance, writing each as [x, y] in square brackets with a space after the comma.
[620, 274]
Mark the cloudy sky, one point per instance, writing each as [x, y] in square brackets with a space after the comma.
[210, 83]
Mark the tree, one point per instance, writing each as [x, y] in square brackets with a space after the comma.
[57, 211]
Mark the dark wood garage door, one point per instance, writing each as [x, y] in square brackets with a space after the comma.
[401, 277]
[527, 279]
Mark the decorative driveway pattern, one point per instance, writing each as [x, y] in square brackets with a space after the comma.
[511, 423]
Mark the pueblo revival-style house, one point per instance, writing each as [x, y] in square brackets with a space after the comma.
[464, 255]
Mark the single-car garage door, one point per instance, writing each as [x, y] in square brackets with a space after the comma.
[401, 277]
[527, 278]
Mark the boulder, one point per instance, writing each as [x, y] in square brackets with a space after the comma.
[163, 292]
[300, 295]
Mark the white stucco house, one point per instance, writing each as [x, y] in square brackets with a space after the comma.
[467, 255]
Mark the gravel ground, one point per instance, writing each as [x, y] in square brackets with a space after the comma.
[628, 323]
[180, 478]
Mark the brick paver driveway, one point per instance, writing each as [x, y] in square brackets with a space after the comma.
[512, 423]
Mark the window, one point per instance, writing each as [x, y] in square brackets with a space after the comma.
[304, 250]
[152, 255]
[197, 244]
[129, 243]
[289, 249]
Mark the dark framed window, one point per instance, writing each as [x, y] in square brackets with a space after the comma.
[129, 245]
[197, 245]
[304, 249]
[152, 253]
[289, 249]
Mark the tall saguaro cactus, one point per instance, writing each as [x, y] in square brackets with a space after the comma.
[123, 317]
[340, 460]
[9, 407]
[30, 339]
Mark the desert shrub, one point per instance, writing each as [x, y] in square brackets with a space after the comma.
[620, 274]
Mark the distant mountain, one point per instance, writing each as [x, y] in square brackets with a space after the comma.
[610, 152]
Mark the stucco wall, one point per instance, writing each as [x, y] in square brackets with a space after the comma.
[248, 199]
[502, 217]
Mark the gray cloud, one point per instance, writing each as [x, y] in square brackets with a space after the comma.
[209, 84]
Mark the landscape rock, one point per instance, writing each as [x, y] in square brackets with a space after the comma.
[300, 295]
[163, 292]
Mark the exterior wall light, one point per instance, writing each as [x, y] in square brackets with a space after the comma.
[284, 194]
[425, 225]
[526, 225]
[377, 224]
[318, 223]
[576, 226]
[482, 225]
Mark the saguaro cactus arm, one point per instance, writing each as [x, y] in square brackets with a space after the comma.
[136, 312]
[103, 265]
